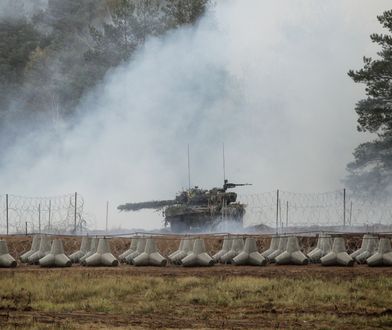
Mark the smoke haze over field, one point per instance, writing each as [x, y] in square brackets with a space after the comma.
[16, 9]
[268, 78]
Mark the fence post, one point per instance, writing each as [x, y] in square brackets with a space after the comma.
[26, 227]
[39, 218]
[280, 216]
[49, 214]
[6, 211]
[75, 215]
[344, 207]
[277, 211]
[107, 216]
[287, 214]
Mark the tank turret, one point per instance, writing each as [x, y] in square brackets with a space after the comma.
[197, 209]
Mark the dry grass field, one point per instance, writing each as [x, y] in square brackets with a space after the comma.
[92, 299]
[227, 296]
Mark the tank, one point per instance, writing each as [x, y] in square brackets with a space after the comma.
[197, 209]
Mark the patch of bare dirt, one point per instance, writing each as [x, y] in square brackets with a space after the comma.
[220, 271]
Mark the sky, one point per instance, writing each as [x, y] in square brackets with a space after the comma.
[266, 78]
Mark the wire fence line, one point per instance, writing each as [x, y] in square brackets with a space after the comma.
[276, 209]
[336, 208]
[54, 214]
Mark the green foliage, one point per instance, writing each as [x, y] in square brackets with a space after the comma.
[371, 171]
[18, 40]
[132, 21]
[54, 57]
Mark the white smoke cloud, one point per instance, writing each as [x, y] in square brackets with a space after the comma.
[21, 8]
[268, 78]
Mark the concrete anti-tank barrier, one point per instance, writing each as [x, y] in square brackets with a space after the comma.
[370, 249]
[226, 247]
[199, 256]
[364, 245]
[180, 248]
[272, 248]
[92, 249]
[236, 247]
[56, 257]
[250, 255]
[324, 246]
[141, 245]
[338, 256]
[34, 248]
[281, 248]
[6, 260]
[150, 256]
[383, 256]
[132, 248]
[44, 249]
[293, 254]
[103, 256]
[186, 247]
[84, 246]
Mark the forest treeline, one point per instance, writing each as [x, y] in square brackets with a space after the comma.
[54, 51]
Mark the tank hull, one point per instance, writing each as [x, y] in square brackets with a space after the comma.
[202, 219]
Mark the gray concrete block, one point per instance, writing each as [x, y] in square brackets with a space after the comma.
[324, 246]
[150, 256]
[56, 256]
[103, 256]
[91, 250]
[226, 247]
[44, 249]
[132, 248]
[141, 245]
[84, 247]
[199, 256]
[272, 248]
[281, 248]
[338, 256]
[34, 248]
[6, 260]
[293, 254]
[185, 249]
[236, 247]
[383, 256]
[250, 254]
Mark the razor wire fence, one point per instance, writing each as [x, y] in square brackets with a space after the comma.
[340, 208]
[55, 214]
[278, 210]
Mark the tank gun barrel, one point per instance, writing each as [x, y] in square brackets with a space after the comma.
[146, 205]
[228, 185]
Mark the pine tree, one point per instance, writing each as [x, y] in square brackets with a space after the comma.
[371, 170]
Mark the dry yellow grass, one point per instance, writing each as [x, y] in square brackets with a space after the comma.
[245, 301]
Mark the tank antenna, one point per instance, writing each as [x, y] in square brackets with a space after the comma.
[224, 162]
[189, 170]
